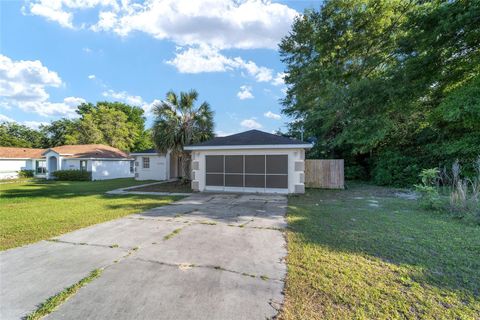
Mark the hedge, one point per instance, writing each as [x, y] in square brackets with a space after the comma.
[25, 173]
[72, 175]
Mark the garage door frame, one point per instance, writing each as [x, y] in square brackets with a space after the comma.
[278, 176]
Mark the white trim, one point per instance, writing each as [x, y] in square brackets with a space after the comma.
[257, 146]
[147, 154]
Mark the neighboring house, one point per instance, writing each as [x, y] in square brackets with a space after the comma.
[13, 160]
[251, 161]
[151, 165]
[102, 161]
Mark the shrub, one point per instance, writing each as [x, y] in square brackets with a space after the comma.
[428, 189]
[72, 175]
[392, 168]
[25, 174]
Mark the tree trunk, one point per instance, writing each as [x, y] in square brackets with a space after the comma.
[185, 161]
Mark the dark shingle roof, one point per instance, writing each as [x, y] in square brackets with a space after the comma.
[249, 138]
[145, 151]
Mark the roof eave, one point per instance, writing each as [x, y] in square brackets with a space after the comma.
[244, 147]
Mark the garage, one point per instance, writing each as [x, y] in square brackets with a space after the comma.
[251, 161]
[247, 171]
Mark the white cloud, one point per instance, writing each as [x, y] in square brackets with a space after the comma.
[245, 93]
[279, 79]
[124, 97]
[4, 118]
[138, 101]
[250, 124]
[272, 115]
[23, 84]
[34, 124]
[220, 23]
[203, 58]
[52, 10]
[91, 77]
[31, 124]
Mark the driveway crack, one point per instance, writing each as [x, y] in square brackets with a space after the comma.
[186, 266]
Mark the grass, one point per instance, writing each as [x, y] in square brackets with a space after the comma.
[53, 302]
[172, 186]
[172, 234]
[363, 253]
[33, 210]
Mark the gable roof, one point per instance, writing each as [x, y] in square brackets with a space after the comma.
[20, 153]
[88, 151]
[248, 139]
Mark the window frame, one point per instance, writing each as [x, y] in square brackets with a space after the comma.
[146, 160]
[37, 166]
[85, 167]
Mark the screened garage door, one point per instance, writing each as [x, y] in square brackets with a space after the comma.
[247, 171]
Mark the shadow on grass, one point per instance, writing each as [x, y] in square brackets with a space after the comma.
[370, 223]
[62, 189]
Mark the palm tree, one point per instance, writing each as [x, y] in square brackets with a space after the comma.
[178, 123]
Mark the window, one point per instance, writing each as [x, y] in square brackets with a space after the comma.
[146, 162]
[83, 165]
[41, 166]
[132, 168]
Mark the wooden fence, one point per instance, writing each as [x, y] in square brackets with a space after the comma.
[326, 174]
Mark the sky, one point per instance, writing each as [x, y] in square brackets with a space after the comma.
[56, 54]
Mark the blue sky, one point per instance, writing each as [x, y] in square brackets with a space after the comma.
[55, 54]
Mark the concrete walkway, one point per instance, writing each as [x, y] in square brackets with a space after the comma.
[225, 260]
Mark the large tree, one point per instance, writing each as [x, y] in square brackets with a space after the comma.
[104, 124]
[179, 122]
[18, 135]
[114, 123]
[371, 79]
[57, 131]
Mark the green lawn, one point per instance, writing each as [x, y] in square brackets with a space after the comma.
[363, 253]
[38, 209]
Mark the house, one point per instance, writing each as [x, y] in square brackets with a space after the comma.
[251, 161]
[151, 165]
[104, 162]
[13, 160]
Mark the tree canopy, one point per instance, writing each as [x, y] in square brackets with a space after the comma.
[113, 123]
[391, 86]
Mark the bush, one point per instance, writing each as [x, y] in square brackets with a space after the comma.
[25, 174]
[392, 168]
[430, 199]
[72, 175]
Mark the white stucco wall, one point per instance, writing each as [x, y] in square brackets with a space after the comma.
[295, 177]
[109, 169]
[159, 167]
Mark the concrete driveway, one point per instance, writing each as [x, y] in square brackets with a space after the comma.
[208, 256]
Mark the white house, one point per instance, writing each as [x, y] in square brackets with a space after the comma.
[251, 161]
[151, 165]
[102, 161]
[13, 160]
